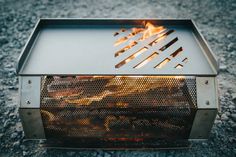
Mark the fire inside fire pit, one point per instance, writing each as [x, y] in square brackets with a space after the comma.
[118, 106]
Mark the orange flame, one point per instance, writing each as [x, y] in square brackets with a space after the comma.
[147, 32]
[151, 30]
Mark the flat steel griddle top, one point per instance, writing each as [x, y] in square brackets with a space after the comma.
[78, 46]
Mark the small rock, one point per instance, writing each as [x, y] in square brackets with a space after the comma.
[230, 36]
[11, 115]
[16, 144]
[1, 56]
[14, 135]
[18, 127]
[227, 113]
[232, 139]
[70, 153]
[107, 155]
[231, 107]
[6, 124]
[224, 117]
[233, 97]
[3, 40]
[230, 46]
[223, 67]
[1, 135]
[233, 116]
[233, 126]
[218, 122]
[6, 113]
[23, 147]
[25, 153]
[205, 144]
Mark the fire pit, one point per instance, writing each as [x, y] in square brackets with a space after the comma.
[123, 83]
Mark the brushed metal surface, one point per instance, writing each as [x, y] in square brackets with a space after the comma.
[30, 91]
[207, 96]
[208, 106]
[202, 124]
[32, 123]
[75, 46]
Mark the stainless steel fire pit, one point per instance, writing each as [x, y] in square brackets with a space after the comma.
[113, 83]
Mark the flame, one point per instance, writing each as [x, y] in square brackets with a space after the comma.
[151, 30]
[121, 40]
[131, 44]
[147, 32]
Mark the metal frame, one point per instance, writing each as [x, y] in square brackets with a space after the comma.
[30, 91]
[30, 85]
[29, 111]
[208, 106]
[32, 123]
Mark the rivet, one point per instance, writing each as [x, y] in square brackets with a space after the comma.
[28, 102]
[29, 113]
[207, 102]
[206, 82]
[29, 81]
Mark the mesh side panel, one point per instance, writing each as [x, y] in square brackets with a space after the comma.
[115, 107]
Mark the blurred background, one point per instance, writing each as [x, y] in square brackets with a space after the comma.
[215, 19]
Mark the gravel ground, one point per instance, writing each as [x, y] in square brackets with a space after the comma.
[215, 19]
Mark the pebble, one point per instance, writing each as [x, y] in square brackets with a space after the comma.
[233, 97]
[230, 46]
[233, 116]
[230, 36]
[227, 113]
[233, 126]
[16, 144]
[11, 115]
[224, 117]
[3, 40]
[6, 123]
[25, 153]
[223, 67]
[232, 107]
[14, 135]
[70, 153]
[18, 127]
[107, 155]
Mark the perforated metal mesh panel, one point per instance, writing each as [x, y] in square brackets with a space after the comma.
[118, 107]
